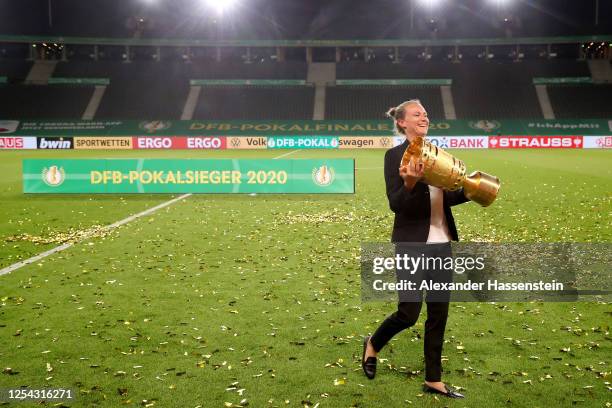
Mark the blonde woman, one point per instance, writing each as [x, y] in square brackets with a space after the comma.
[422, 215]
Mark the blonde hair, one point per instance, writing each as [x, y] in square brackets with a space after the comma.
[398, 112]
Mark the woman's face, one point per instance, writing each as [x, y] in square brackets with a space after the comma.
[415, 121]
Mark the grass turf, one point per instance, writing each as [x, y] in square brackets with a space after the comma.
[220, 299]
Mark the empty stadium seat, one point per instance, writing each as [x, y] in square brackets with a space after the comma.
[269, 70]
[481, 90]
[505, 90]
[388, 70]
[255, 102]
[44, 101]
[581, 101]
[158, 90]
[138, 90]
[15, 70]
[176, 70]
[372, 101]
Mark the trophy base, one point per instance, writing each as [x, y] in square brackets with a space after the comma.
[482, 188]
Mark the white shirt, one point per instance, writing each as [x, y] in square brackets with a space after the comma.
[438, 229]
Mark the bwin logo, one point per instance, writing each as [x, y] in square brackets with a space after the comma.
[54, 143]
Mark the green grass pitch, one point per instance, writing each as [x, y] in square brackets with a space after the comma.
[221, 300]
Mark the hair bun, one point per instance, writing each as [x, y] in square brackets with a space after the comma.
[391, 112]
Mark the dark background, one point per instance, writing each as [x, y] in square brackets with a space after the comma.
[306, 19]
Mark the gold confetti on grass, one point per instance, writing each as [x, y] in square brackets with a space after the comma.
[72, 235]
[340, 381]
[336, 215]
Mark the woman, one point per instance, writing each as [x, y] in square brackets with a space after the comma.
[422, 214]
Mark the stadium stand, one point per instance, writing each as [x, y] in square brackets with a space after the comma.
[158, 90]
[255, 102]
[43, 101]
[177, 70]
[504, 90]
[583, 101]
[360, 70]
[140, 89]
[488, 91]
[268, 70]
[477, 90]
[388, 70]
[371, 102]
[15, 70]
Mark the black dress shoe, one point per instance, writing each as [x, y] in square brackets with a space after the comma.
[450, 393]
[369, 365]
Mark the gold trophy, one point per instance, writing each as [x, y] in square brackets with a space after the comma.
[442, 169]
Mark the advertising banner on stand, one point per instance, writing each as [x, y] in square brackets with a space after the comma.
[103, 143]
[247, 142]
[365, 142]
[535, 142]
[26, 142]
[597, 142]
[303, 142]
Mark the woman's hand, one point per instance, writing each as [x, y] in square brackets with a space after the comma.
[411, 173]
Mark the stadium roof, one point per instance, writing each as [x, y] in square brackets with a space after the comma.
[175, 42]
[312, 19]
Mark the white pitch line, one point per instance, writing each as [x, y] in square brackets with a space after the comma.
[284, 154]
[35, 258]
[112, 226]
[62, 247]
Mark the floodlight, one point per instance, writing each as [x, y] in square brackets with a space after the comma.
[500, 2]
[429, 3]
[220, 6]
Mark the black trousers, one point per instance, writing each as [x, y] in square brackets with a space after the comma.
[408, 312]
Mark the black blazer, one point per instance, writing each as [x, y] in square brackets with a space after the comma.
[413, 208]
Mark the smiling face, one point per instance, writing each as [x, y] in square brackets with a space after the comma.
[415, 121]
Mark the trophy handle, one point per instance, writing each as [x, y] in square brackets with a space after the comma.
[481, 188]
[414, 150]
